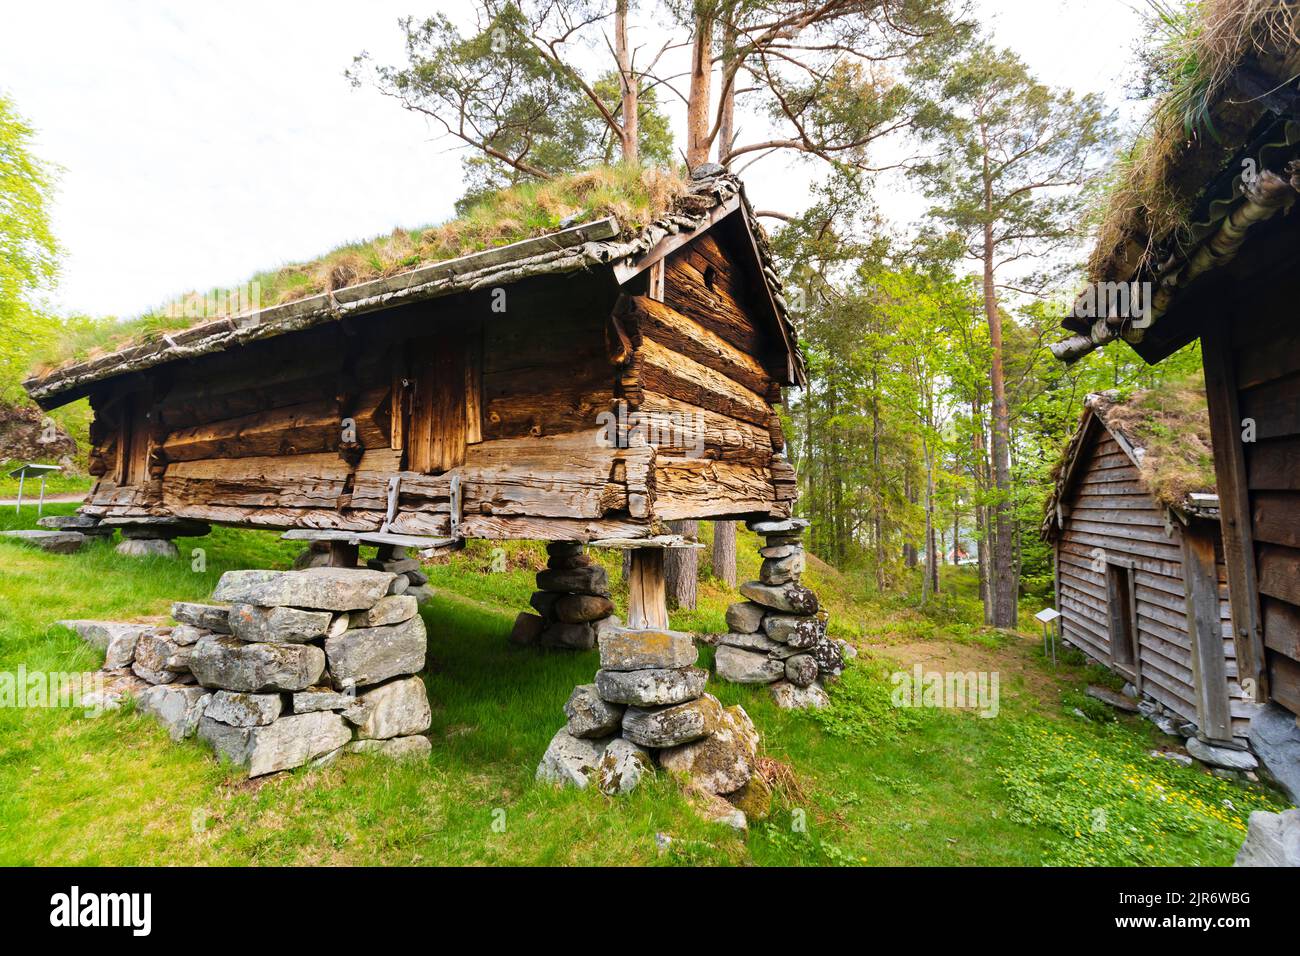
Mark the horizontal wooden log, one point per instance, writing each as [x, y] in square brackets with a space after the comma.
[700, 488]
[692, 431]
[678, 377]
[684, 335]
[293, 481]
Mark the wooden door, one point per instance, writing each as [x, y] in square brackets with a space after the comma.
[445, 406]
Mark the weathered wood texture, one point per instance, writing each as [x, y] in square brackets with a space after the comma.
[1111, 517]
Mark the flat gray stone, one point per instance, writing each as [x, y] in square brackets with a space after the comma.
[746, 667]
[758, 643]
[1225, 757]
[777, 526]
[780, 550]
[231, 664]
[277, 625]
[745, 617]
[589, 715]
[289, 742]
[791, 598]
[99, 634]
[179, 709]
[317, 589]
[399, 708]
[670, 726]
[1275, 739]
[390, 609]
[791, 697]
[1272, 839]
[187, 635]
[625, 649]
[1113, 698]
[589, 580]
[653, 687]
[370, 655]
[577, 637]
[156, 526]
[622, 767]
[321, 698]
[210, 617]
[777, 571]
[148, 548]
[157, 655]
[55, 542]
[245, 710]
[400, 749]
[570, 761]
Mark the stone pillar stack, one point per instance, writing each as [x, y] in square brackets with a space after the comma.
[778, 636]
[153, 537]
[572, 601]
[298, 668]
[398, 560]
[648, 707]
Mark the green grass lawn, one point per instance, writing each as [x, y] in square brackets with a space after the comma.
[863, 782]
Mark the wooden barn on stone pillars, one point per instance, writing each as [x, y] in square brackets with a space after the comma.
[588, 384]
[1140, 579]
[1228, 274]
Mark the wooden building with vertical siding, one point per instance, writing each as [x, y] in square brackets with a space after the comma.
[1229, 275]
[589, 383]
[1140, 579]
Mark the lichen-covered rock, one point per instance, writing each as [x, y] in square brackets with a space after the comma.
[758, 643]
[791, 598]
[244, 710]
[722, 762]
[590, 580]
[652, 687]
[120, 651]
[790, 696]
[745, 617]
[527, 629]
[289, 742]
[277, 625]
[622, 766]
[754, 799]
[829, 657]
[543, 602]
[589, 715]
[1272, 839]
[797, 630]
[801, 670]
[178, 708]
[569, 761]
[670, 726]
[209, 617]
[369, 655]
[778, 571]
[99, 634]
[396, 709]
[582, 608]
[231, 664]
[391, 609]
[627, 649]
[771, 526]
[401, 749]
[55, 542]
[158, 659]
[187, 635]
[322, 698]
[318, 589]
[778, 551]
[746, 667]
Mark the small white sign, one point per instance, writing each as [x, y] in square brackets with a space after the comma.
[1048, 614]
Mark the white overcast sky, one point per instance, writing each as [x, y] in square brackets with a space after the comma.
[201, 143]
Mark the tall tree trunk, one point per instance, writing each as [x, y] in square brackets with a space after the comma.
[727, 110]
[1004, 582]
[878, 527]
[628, 85]
[909, 547]
[724, 552]
[697, 102]
[682, 568]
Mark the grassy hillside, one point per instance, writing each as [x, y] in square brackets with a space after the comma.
[861, 783]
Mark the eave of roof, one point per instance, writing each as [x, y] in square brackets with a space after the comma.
[600, 243]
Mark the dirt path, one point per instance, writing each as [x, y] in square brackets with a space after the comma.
[34, 499]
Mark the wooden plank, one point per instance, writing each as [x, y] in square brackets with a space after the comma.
[1221, 386]
[687, 337]
[1277, 518]
[686, 380]
[1281, 627]
[647, 597]
[1274, 407]
[702, 488]
[699, 432]
[1274, 465]
[1284, 678]
[1279, 575]
[1209, 678]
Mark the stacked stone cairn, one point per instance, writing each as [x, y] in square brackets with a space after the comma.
[648, 707]
[154, 537]
[778, 636]
[572, 603]
[398, 560]
[299, 667]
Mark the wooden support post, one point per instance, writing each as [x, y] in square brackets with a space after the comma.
[1209, 671]
[344, 555]
[647, 601]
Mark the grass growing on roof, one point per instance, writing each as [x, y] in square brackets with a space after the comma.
[632, 195]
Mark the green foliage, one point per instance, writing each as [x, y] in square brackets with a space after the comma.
[1110, 803]
[862, 707]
